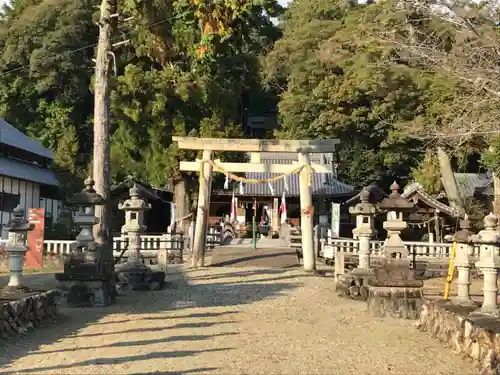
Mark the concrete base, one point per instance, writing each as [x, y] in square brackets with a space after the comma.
[137, 276]
[354, 284]
[397, 302]
[21, 311]
[469, 333]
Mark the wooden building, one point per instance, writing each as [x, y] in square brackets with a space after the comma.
[325, 190]
[25, 175]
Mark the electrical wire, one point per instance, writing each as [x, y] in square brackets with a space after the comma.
[2, 74]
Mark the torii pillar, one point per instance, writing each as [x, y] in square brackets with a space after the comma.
[303, 148]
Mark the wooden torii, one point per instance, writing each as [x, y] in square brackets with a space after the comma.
[255, 146]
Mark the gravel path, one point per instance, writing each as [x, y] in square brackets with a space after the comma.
[231, 321]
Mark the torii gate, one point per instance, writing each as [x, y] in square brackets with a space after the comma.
[255, 146]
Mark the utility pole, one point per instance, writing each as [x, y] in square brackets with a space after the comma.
[101, 155]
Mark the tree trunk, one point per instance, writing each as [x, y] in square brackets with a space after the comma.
[181, 203]
[101, 154]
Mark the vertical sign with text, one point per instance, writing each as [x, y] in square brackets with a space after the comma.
[335, 220]
[34, 256]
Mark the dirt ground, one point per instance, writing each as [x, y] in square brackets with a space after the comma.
[230, 321]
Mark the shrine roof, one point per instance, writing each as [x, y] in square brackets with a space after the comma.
[323, 184]
[415, 190]
[145, 190]
[470, 183]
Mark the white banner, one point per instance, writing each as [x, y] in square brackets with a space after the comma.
[335, 220]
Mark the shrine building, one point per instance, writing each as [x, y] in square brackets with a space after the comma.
[326, 188]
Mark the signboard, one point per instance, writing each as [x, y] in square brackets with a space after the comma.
[335, 220]
[34, 256]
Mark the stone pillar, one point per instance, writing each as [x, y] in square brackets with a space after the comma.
[489, 263]
[16, 248]
[463, 262]
[307, 213]
[202, 210]
[364, 212]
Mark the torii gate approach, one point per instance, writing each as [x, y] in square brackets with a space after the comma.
[206, 166]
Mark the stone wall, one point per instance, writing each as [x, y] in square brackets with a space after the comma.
[474, 337]
[19, 314]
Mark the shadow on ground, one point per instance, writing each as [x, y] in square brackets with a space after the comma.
[179, 295]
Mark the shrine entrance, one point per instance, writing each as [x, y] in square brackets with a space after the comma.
[304, 168]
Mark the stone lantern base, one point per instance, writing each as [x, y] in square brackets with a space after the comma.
[354, 284]
[138, 276]
[84, 290]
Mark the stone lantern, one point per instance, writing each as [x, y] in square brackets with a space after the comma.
[88, 273]
[463, 262]
[364, 211]
[489, 263]
[16, 248]
[134, 223]
[396, 206]
[134, 274]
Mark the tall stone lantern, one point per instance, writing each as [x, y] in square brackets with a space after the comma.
[134, 209]
[396, 207]
[88, 273]
[16, 248]
[463, 262]
[134, 274]
[364, 211]
[489, 263]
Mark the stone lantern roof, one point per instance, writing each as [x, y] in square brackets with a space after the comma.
[135, 202]
[364, 207]
[464, 234]
[395, 202]
[88, 196]
[18, 223]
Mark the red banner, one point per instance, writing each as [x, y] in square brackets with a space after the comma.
[34, 256]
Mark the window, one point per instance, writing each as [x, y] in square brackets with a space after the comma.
[9, 201]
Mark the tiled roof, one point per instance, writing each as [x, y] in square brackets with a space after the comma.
[322, 184]
[415, 188]
[468, 183]
[10, 136]
[28, 172]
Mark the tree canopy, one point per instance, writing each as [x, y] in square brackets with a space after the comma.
[389, 79]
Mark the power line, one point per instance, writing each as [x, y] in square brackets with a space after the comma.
[80, 49]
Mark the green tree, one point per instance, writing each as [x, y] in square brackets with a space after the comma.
[338, 81]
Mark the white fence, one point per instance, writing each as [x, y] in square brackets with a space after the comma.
[150, 243]
[419, 250]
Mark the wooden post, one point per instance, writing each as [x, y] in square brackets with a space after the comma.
[496, 196]
[306, 221]
[101, 154]
[202, 211]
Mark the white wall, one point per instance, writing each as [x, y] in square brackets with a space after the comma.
[29, 198]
